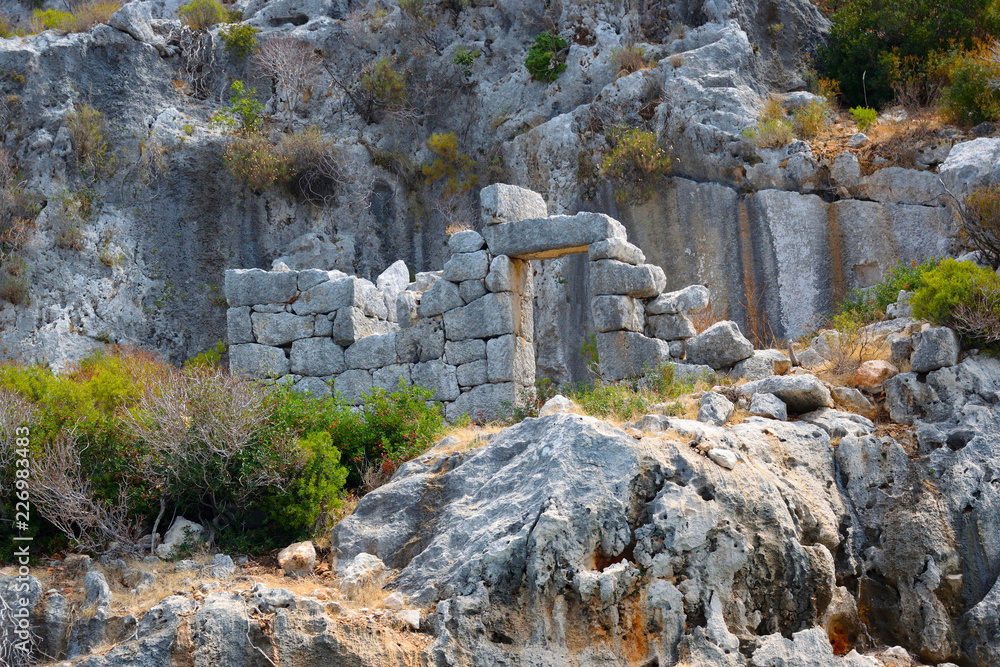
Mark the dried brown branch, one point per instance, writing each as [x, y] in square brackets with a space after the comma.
[293, 64]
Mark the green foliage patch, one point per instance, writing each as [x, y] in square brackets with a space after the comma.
[547, 57]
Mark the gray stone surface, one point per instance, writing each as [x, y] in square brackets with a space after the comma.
[670, 327]
[466, 266]
[618, 249]
[694, 297]
[472, 373]
[617, 313]
[407, 308]
[715, 409]
[440, 298]
[312, 277]
[388, 377]
[257, 361]
[314, 386]
[768, 405]
[801, 393]
[852, 400]
[510, 359]
[485, 402]
[246, 287]
[317, 357]
[462, 352]
[421, 342]
[541, 238]
[470, 290]
[372, 352]
[437, 376]
[352, 385]
[495, 314]
[391, 283]
[502, 203]
[624, 354]
[508, 275]
[351, 324]
[939, 347]
[609, 276]
[760, 365]
[720, 346]
[467, 240]
[281, 328]
[342, 293]
[238, 327]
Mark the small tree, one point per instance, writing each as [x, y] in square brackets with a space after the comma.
[293, 65]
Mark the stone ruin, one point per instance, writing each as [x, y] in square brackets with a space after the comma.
[465, 332]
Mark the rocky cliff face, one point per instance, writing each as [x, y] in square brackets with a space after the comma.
[154, 232]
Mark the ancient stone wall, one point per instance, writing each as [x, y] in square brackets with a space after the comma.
[465, 332]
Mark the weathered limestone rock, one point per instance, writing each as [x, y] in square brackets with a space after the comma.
[768, 405]
[723, 458]
[280, 328]
[510, 359]
[715, 409]
[760, 365]
[238, 327]
[502, 203]
[609, 276]
[440, 298]
[473, 373]
[352, 385]
[466, 266]
[317, 357]
[694, 297]
[257, 361]
[97, 589]
[421, 342]
[352, 324]
[342, 293]
[181, 531]
[364, 572]
[558, 404]
[314, 386]
[323, 327]
[617, 313]
[808, 647]
[298, 559]
[391, 283]
[508, 275]
[467, 240]
[437, 376]
[372, 352]
[853, 400]
[388, 377]
[670, 327]
[624, 354]
[485, 402]
[407, 308]
[470, 290]
[873, 373]
[839, 424]
[801, 393]
[938, 348]
[719, 346]
[312, 277]
[618, 249]
[248, 287]
[495, 314]
[541, 238]
[457, 353]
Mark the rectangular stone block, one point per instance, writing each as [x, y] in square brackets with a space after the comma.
[238, 327]
[442, 296]
[388, 378]
[407, 309]
[372, 352]
[509, 275]
[341, 293]
[609, 276]
[544, 238]
[617, 313]
[466, 266]
[280, 328]
[437, 376]
[486, 317]
[670, 327]
[470, 290]
[487, 402]
[501, 203]
[319, 357]
[624, 354]
[472, 374]
[694, 297]
[248, 287]
[422, 342]
[457, 353]
[353, 385]
[618, 249]
[510, 359]
[352, 324]
[257, 362]
[324, 327]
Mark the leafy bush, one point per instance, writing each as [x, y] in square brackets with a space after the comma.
[971, 96]
[864, 118]
[961, 295]
[240, 41]
[547, 57]
[381, 87]
[254, 160]
[450, 164]
[53, 19]
[87, 129]
[867, 35]
[465, 58]
[244, 112]
[634, 163]
[980, 222]
[314, 489]
[203, 14]
[773, 128]
[811, 118]
[869, 304]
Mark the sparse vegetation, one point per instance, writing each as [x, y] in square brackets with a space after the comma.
[869, 305]
[547, 57]
[980, 222]
[14, 289]
[465, 58]
[450, 165]
[293, 65]
[240, 41]
[634, 163]
[628, 59]
[83, 17]
[88, 131]
[811, 118]
[773, 129]
[203, 14]
[864, 118]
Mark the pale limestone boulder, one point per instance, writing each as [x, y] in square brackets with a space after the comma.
[720, 346]
[618, 249]
[694, 297]
[510, 358]
[257, 361]
[298, 559]
[238, 327]
[467, 240]
[439, 299]
[437, 376]
[617, 313]
[372, 352]
[768, 405]
[543, 238]
[317, 357]
[609, 276]
[624, 354]
[495, 314]
[670, 327]
[502, 203]
[281, 328]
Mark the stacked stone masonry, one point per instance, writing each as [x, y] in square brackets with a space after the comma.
[465, 332]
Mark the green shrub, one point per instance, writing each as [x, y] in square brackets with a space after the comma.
[867, 36]
[773, 128]
[210, 358]
[951, 285]
[634, 163]
[452, 166]
[971, 96]
[380, 87]
[203, 14]
[811, 118]
[547, 57]
[465, 58]
[314, 489]
[244, 112]
[869, 305]
[864, 118]
[240, 41]
[53, 19]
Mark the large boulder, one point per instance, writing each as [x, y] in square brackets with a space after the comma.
[938, 347]
[298, 559]
[720, 346]
[801, 393]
